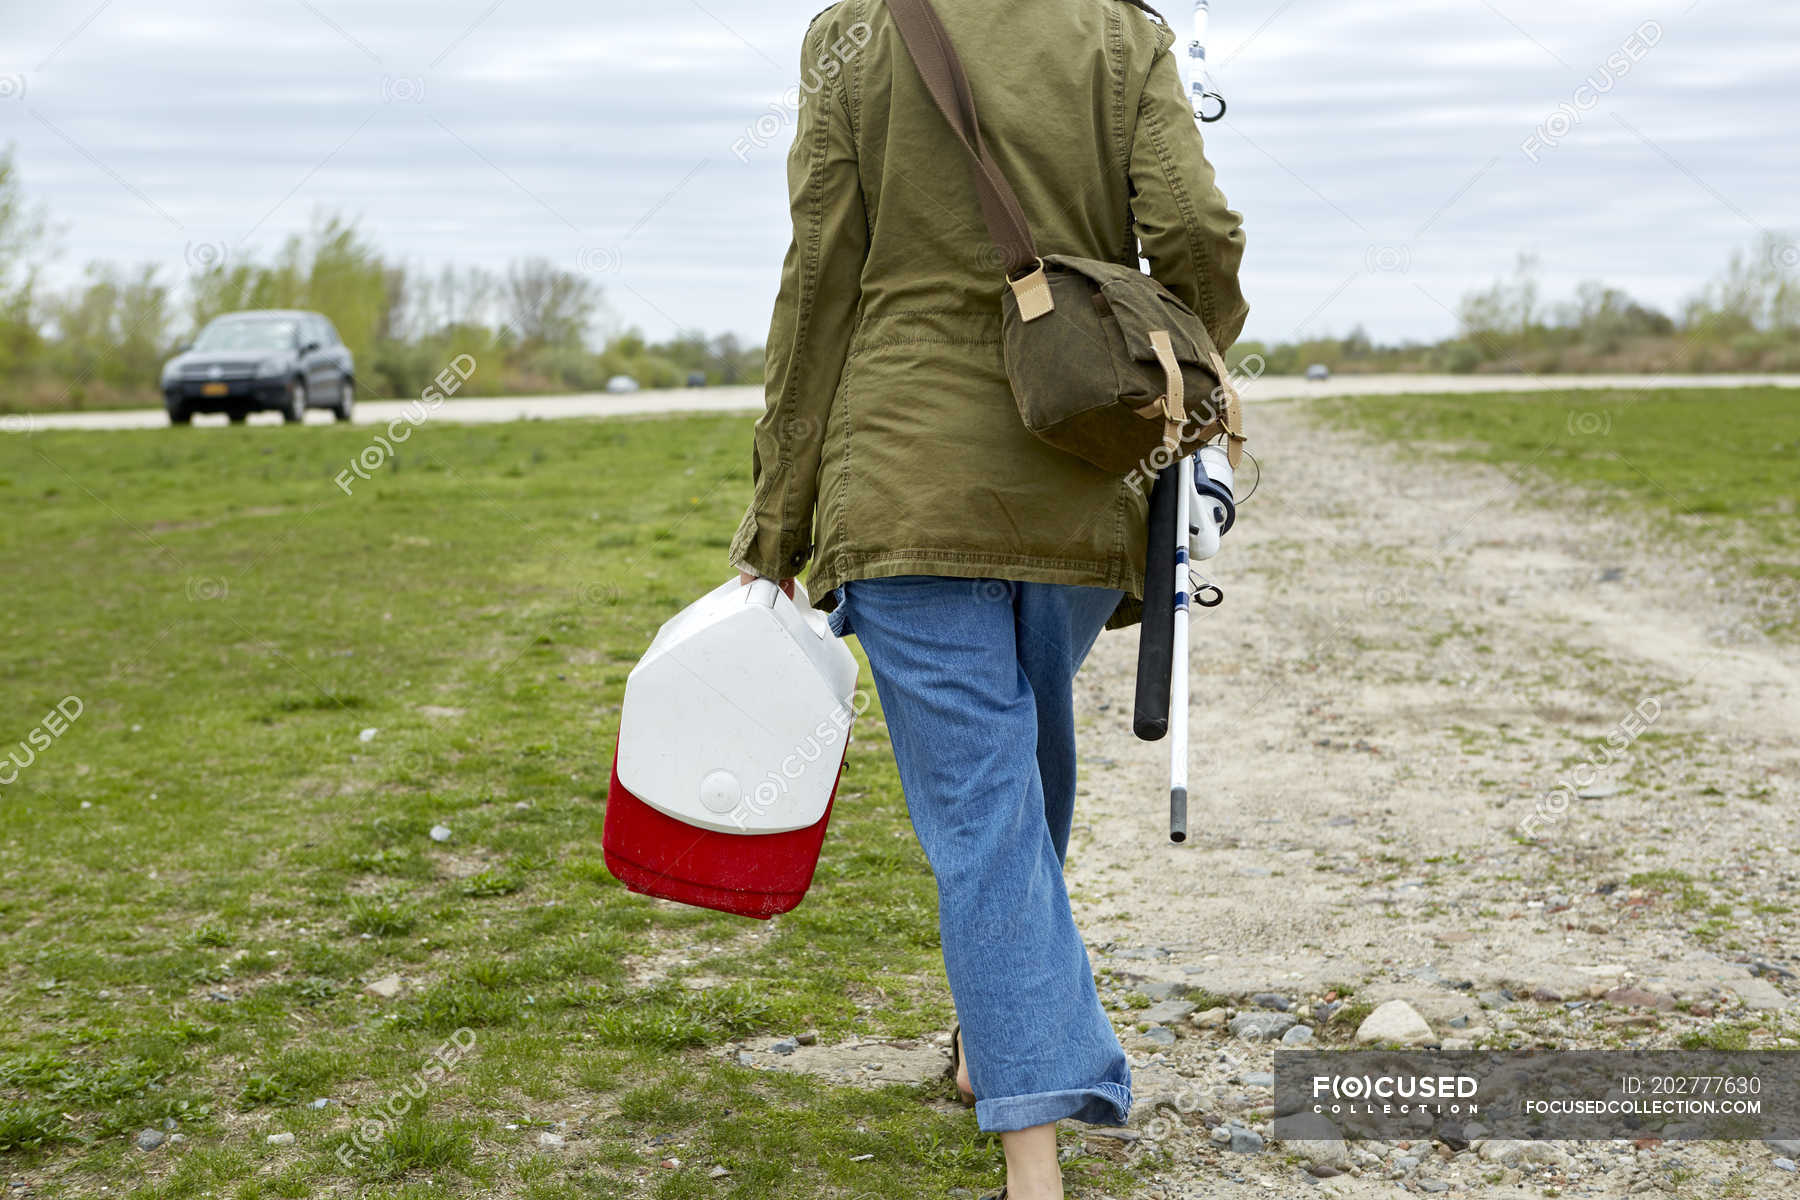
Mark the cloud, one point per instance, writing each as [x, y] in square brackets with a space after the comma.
[1374, 148]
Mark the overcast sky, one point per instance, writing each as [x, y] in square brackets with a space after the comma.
[1375, 148]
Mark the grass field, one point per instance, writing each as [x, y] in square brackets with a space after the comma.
[208, 864]
[205, 867]
[1716, 471]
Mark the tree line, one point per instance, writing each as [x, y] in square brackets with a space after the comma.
[101, 342]
[1746, 319]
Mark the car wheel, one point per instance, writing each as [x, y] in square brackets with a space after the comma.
[346, 400]
[180, 416]
[295, 412]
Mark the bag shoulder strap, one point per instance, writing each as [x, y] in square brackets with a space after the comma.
[928, 42]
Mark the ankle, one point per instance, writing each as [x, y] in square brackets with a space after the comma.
[1033, 1171]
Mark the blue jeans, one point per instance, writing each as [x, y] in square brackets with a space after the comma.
[975, 678]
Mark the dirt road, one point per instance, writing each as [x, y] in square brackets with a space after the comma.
[1410, 660]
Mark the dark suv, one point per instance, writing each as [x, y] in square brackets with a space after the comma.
[276, 359]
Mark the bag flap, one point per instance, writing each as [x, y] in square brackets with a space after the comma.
[1142, 305]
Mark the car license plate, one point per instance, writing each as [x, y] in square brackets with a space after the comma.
[215, 389]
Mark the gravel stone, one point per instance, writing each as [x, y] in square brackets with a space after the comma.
[1261, 1026]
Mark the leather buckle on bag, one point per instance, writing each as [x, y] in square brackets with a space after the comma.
[1032, 291]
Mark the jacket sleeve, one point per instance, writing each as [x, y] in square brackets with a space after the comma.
[809, 334]
[1192, 240]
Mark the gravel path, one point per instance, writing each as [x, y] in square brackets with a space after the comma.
[1402, 674]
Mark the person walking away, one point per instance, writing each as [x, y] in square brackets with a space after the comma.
[976, 564]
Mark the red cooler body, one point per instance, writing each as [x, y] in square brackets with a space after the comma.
[731, 743]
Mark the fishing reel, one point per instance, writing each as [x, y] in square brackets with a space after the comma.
[1212, 511]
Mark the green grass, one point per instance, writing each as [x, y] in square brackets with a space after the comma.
[1711, 468]
[208, 866]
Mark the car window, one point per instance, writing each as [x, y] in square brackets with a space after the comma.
[247, 335]
[331, 334]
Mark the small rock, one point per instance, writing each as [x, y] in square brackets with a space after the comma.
[1599, 791]
[1313, 1137]
[1141, 953]
[387, 987]
[1433, 1185]
[745, 1059]
[1396, 1021]
[1299, 1035]
[1245, 1141]
[175, 1139]
[367, 735]
[1456, 1045]
[550, 1141]
[1783, 1164]
[1259, 1079]
[1160, 1035]
[150, 1139]
[1261, 1026]
[440, 833]
[1786, 1147]
[1631, 997]
[1405, 1163]
[321, 1102]
[669, 1164]
[280, 1139]
[717, 1173]
[1272, 1000]
[785, 1046]
[1166, 1013]
[1210, 1018]
[1221, 1135]
[809, 1038]
[1508, 1152]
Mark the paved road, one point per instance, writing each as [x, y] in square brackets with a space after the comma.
[750, 399]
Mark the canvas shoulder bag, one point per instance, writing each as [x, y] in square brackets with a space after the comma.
[1104, 361]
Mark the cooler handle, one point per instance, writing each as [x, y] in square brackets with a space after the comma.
[766, 592]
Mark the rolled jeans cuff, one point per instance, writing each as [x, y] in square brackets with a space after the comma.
[1101, 1104]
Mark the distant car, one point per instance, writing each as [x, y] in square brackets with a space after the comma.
[1318, 373]
[621, 383]
[245, 362]
[696, 378]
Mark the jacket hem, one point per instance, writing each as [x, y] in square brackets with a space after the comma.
[825, 577]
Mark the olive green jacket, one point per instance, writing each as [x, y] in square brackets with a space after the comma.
[891, 444]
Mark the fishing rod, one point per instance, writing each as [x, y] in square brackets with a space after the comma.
[1203, 93]
[1189, 510]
